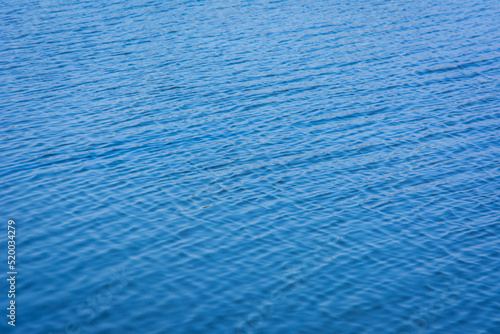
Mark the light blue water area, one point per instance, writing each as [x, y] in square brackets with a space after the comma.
[251, 166]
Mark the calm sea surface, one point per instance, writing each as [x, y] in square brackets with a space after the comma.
[213, 167]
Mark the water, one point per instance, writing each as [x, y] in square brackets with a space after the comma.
[252, 166]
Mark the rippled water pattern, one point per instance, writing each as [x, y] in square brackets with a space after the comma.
[252, 166]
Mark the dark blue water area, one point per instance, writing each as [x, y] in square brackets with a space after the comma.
[251, 166]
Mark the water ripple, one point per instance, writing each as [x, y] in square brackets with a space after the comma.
[252, 167]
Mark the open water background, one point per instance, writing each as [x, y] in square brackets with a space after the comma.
[251, 166]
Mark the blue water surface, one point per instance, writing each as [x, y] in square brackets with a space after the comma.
[212, 167]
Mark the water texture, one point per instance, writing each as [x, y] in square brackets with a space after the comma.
[252, 166]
